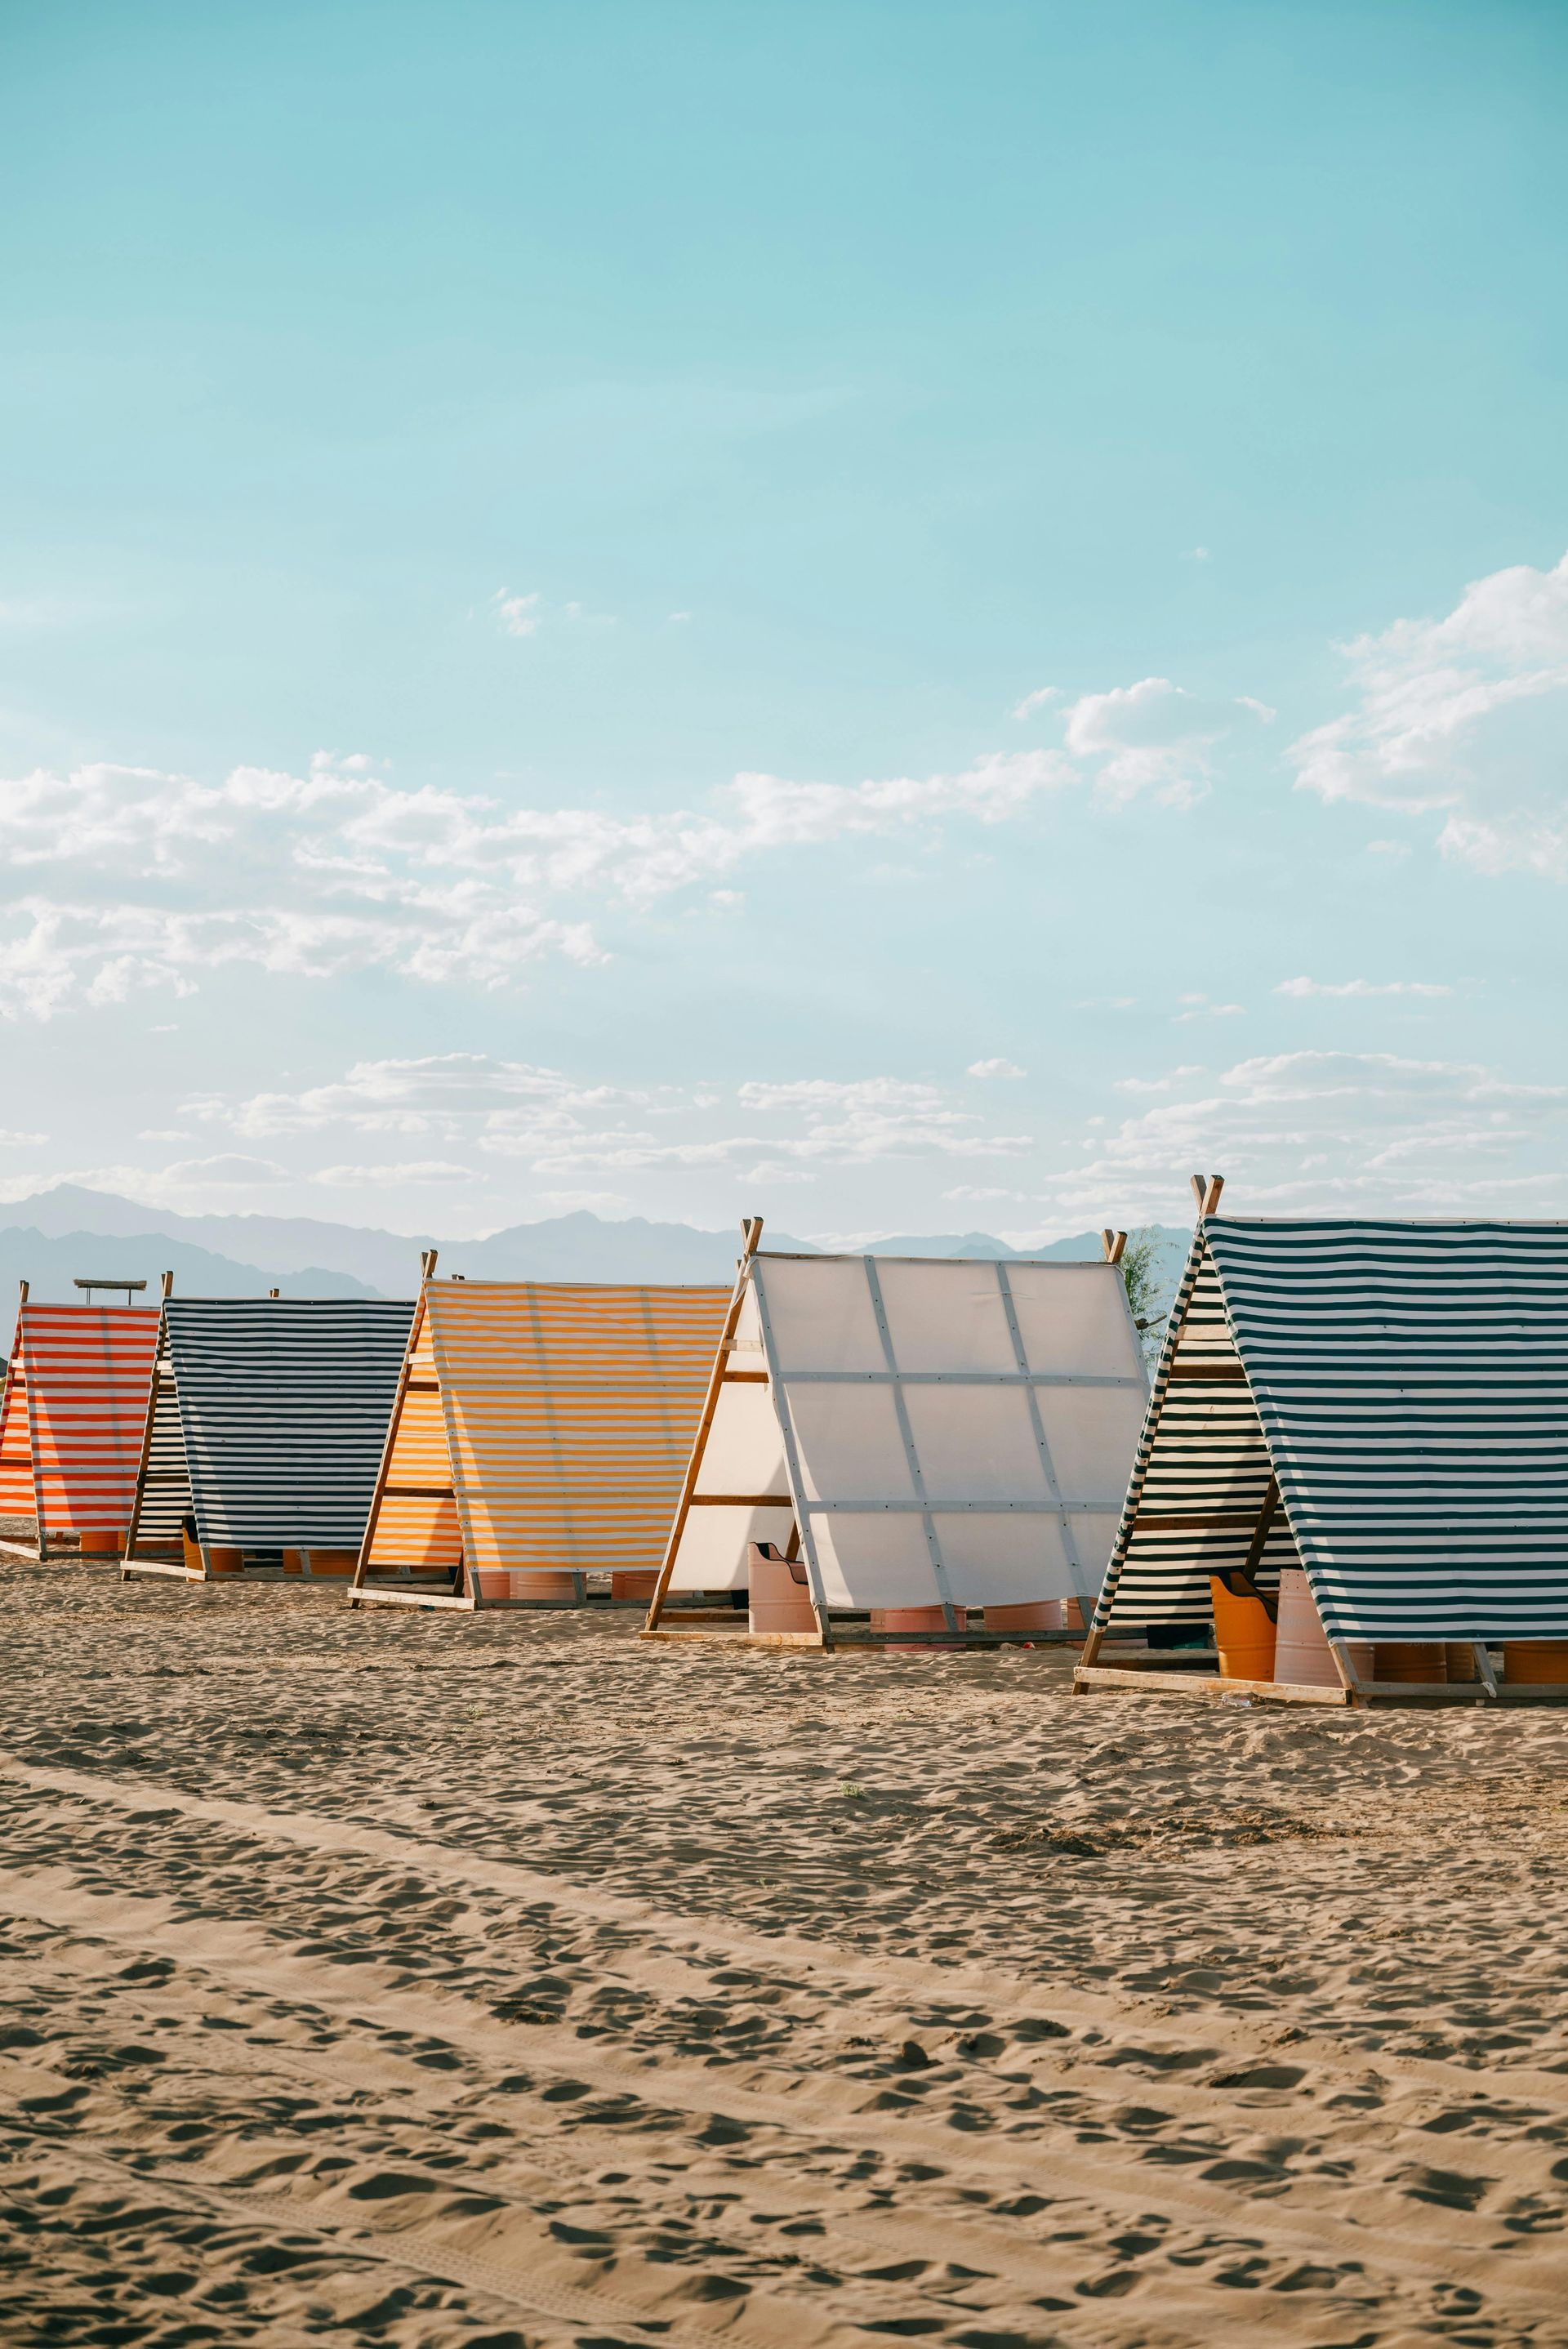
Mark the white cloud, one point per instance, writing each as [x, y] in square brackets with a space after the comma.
[226, 1167]
[1199, 1006]
[1358, 986]
[22, 1141]
[1463, 716]
[1152, 737]
[339, 870]
[1039, 699]
[592, 1203]
[557, 1127]
[994, 1069]
[517, 616]
[397, 1171]
[1319, 1132]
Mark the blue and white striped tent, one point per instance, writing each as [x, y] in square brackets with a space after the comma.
[268, 1421]
[1384, 1404]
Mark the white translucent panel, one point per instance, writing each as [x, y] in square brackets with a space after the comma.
[848, 1442]
[1094, 1538]
[1074, 1317]
[991, 1561]
[745, 1452]
[874, 1561]
[944, 1316]
[1093, 1435]
[976, 1443]
[820, 1311]
[716, 1547]
[746, 1353]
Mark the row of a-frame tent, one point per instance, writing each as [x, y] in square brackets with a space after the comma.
[1352, 1470]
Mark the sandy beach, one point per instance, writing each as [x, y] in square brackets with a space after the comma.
[378, 1978]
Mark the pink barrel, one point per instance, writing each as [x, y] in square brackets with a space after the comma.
[1303, 1657]
[499, 1583]
[780, 1597]
[626, 1585]
[1037, 1615]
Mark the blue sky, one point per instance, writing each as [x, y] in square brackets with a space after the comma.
[917, 617]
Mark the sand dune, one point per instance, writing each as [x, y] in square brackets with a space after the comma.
[389, 1979]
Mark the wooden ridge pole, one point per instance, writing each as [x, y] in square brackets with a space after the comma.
[132, 1529]
[361, 1564]
[750, 1239]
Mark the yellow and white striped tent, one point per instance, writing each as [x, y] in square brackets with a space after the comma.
[540, 1435]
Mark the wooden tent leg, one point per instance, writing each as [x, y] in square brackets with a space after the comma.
[1483, 1666]
[1340, 1651]
[751, 1238]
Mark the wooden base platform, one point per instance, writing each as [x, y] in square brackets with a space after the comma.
[1157, 1679]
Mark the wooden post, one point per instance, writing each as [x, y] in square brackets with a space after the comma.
[426, 1261]
[750, 1238]
[1199, 1185]
[168, 1283]
[1340, 1651]
[1483, 1666]
[129, 1552]
[1112, 1244]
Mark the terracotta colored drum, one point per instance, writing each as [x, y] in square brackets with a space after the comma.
[1536, 1663]
[500, 1582]
[1459, 1657]
[1409, 1659]
[633, 1585]
[777, 1600]
[1038, 1615]
[101, 1541]
[1243, 1634]
[926, 1619]
[1303, 1658]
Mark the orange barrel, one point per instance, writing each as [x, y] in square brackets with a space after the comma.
[1244, 1635]
[1459, 1657]
[779, 1597]
[1303, 1658]
[1038, 1615]
[221, 1561]
[101, 1541]
[623, 1584]
[1536, 1663]
[1409, 1659]
[324, 1561]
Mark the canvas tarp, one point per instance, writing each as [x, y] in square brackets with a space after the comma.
[1403, 1387]
[75, 1406]
[543, 1427]
[936, 1429]
[269, 1420]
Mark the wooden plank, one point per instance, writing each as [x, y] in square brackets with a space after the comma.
[128, 1566]
[366, 1594]
[1107, 1676]
[404, 1380]
[740, 1638]
[740, 1501]
[1224, 1373]
[750, 1240]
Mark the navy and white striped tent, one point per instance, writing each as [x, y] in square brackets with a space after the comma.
[268, 1421]
[1384, 1404]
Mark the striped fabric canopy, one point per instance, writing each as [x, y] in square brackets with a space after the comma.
[75, 1406]
[541, 1427]
[269, 1418]
[1385, 1404]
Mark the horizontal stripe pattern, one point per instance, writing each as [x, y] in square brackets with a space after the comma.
[568, 1412]
[1407, 1383]
[75, 1406]
[282, 1405]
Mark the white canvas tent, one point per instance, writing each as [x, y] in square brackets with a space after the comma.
[919, 1431]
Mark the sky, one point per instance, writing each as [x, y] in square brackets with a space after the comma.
[909, 617]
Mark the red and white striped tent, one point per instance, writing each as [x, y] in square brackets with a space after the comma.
[77, 1384]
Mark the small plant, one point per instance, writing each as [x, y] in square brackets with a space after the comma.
[1147, 1288]
[851, 1792]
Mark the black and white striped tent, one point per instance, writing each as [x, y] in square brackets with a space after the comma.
[1383, 1404]
[267, 1424]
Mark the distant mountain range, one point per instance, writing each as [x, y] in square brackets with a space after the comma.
[58, 1234]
